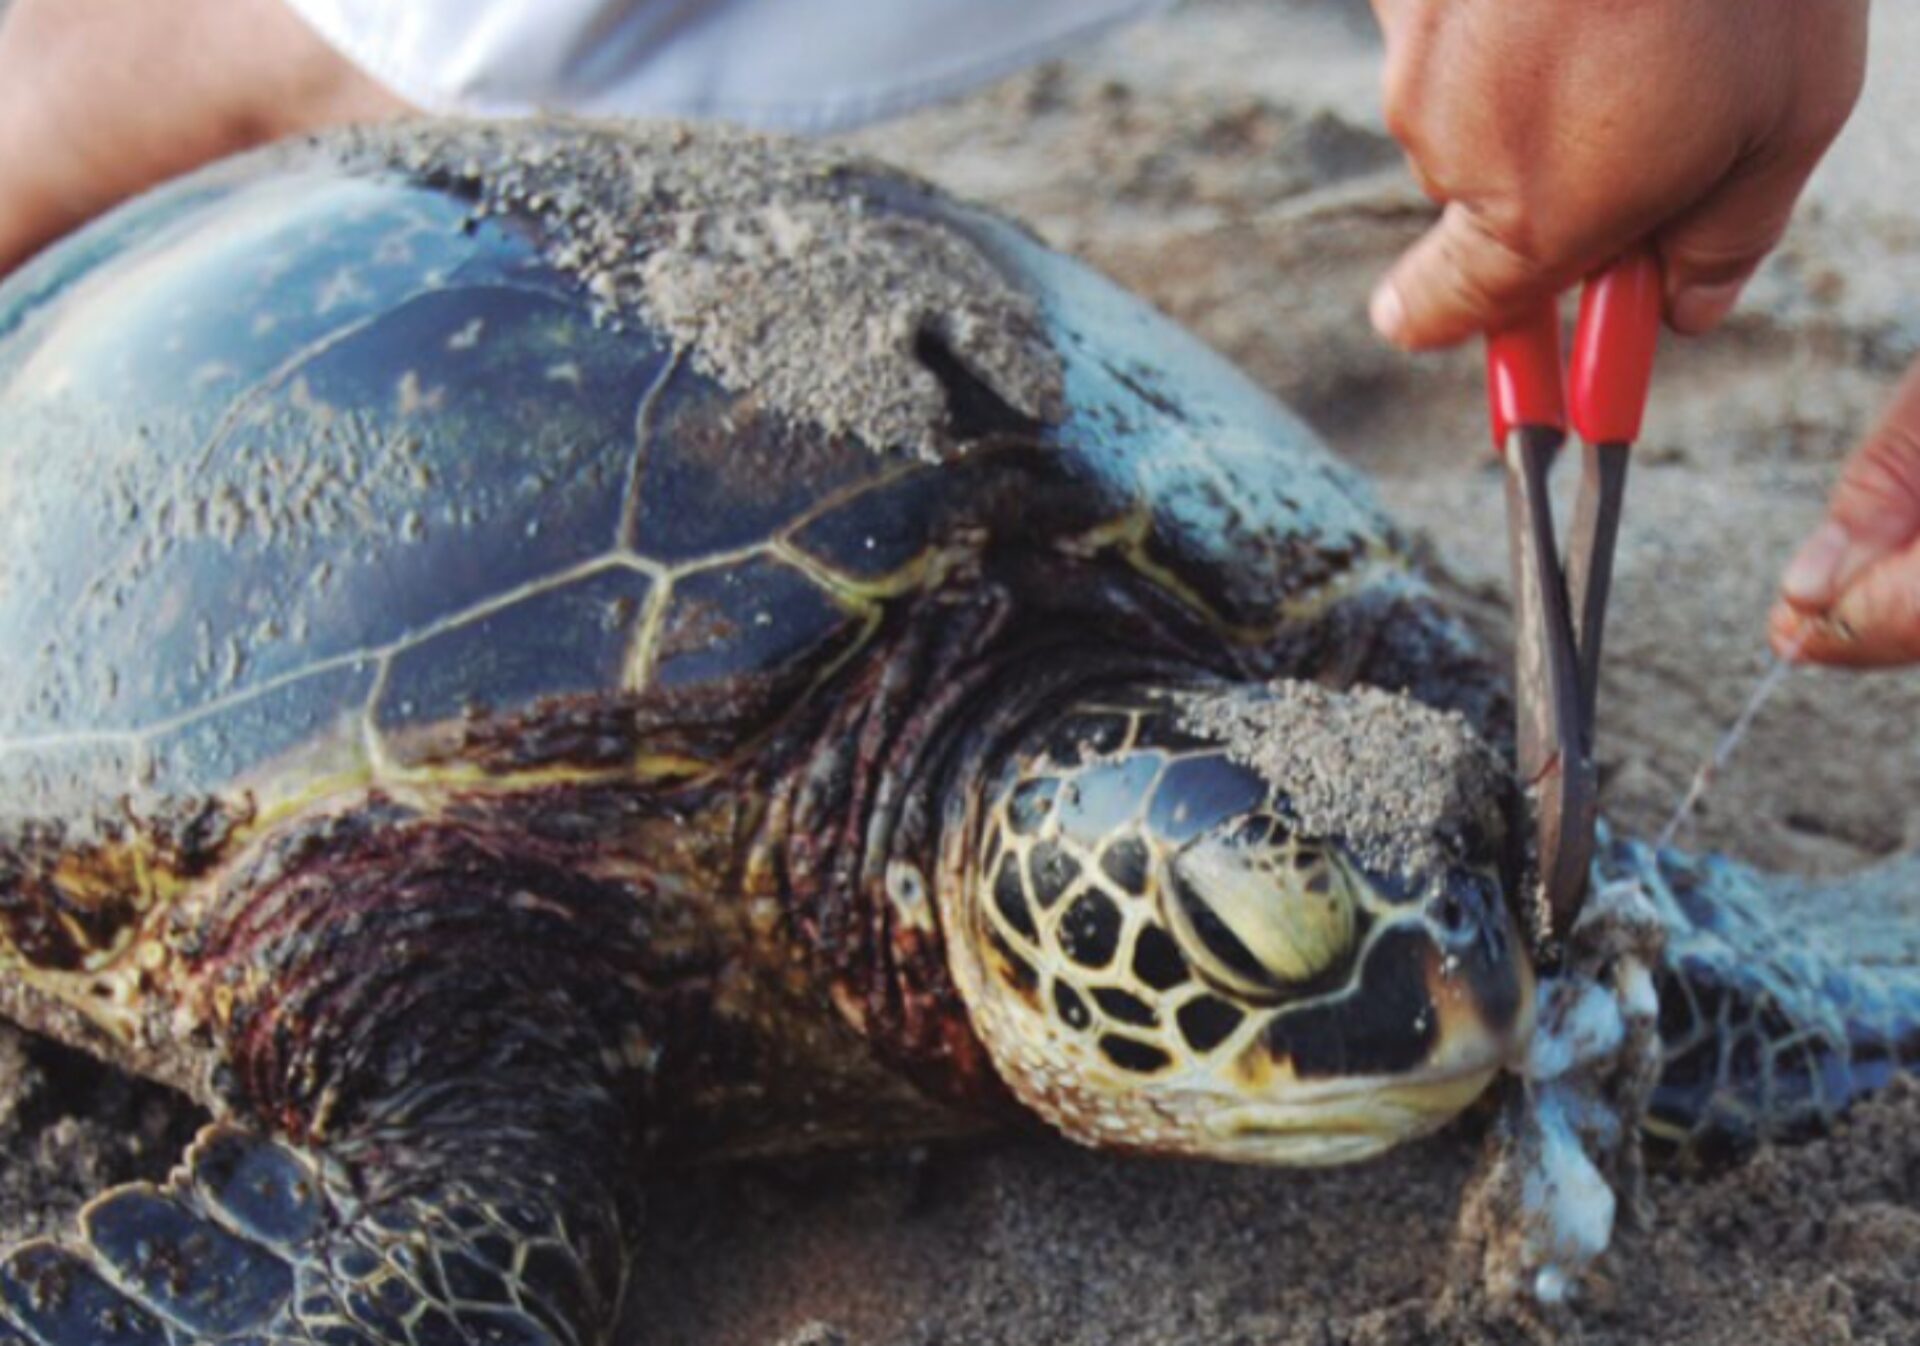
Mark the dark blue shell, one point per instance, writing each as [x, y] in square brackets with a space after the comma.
[308, 467]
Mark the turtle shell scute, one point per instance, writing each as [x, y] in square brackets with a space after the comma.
[384, 486]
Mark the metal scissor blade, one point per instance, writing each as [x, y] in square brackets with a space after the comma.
[1596, 528]
[1555, 756]
[1545, 669]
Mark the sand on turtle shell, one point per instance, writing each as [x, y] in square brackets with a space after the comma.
[1226, 161]
[756, 258]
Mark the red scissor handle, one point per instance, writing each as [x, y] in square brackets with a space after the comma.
[1613, 351]
[1524, 382]
[1612, 359]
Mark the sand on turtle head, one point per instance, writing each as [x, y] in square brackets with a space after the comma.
[776, 265]
[1391, 777]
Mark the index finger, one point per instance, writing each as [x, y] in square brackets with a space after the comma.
[1874, 510]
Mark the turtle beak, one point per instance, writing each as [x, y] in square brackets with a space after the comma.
[1481, 981]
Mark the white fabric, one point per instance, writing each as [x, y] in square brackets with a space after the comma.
[798, 64]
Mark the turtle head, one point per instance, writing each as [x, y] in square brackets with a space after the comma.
[1266, 925]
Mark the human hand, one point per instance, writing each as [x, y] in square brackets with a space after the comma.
[1851, 594]
[102, 98]
[1559, 133]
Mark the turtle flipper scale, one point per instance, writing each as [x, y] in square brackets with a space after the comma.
[253, 1240]
[1770, 1027]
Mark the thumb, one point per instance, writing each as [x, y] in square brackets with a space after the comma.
[1458, 280]
[1874, 510]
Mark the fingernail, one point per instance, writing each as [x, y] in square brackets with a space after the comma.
[1699, 308]
[1813, 575]
[1387, 310]
[1787, 632]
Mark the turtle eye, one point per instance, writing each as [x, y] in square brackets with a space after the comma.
[1261, 915]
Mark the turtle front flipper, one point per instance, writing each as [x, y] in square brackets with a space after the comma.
[435, 1043]
[254, 1241]
[1771, 1025]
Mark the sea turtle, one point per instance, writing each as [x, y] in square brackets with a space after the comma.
[536, 651]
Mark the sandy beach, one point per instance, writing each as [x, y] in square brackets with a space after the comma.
[1227, 161]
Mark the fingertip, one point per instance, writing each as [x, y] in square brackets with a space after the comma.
[1697, 309]
[1387, 310]
[1824, 639]
[1458, 280]
[1812, 578]
[1790, 633]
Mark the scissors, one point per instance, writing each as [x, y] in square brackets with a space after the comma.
[1560, 610]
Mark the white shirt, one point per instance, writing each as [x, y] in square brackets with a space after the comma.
[809, 65]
